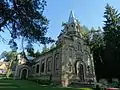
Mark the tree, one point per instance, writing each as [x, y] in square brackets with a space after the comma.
[10, 57]
[94, 39]
[24, 18]
[112, 41]
[37, 54]
[30, 49]
[52, 46]
[45, 49]
[84, 30]
[13, 45]
[3, 55]
[96, 43]
[111, 26]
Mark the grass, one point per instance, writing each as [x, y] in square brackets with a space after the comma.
[27, 85]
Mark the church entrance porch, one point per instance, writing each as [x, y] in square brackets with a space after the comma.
[24, 74]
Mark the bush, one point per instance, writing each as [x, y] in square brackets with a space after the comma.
[86, 89]
[53, 84]
[97, 87]
[4, 78]
[42, 82]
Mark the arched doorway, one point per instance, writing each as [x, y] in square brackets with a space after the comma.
[24, 74]
[79, 70]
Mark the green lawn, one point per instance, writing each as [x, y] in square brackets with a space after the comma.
[27, 85]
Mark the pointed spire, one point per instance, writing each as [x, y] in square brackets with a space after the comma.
[71, 18]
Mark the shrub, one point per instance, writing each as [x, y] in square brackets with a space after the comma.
[86, 89]
[97, 87]
[42, 82]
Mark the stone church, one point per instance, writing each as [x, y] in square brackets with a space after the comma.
[70, 61]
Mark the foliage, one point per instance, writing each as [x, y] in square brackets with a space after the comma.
[86, 89]
[52, 46]
[84, 31]
[11, 55]
[94, 39]
[112, 41]
[43, 82]
[37, 54]
[30, 49]
[105, 45]
[3, 55]
[9, 72]
[45, 48]
[111, 26]
[24, 18]
[31, 52]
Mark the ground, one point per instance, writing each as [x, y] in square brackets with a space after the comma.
[27, 85]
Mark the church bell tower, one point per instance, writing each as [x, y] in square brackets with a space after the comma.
[71, 28]
[77, 62]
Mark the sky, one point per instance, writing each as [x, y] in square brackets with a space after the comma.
[88, 12]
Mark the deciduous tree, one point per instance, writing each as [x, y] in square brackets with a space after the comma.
[24, 18]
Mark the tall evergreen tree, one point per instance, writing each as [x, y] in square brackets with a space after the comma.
[94, 39]
[112, 40]
[111, 26]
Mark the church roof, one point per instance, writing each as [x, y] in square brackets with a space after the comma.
[72, 18]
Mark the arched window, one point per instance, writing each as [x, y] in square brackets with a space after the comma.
[81, 72]
[33, 69]
[43, 67]
[77, 27]
[49, 64]
[57, 64]
[67, 27]
[37, 68]
[72, 25]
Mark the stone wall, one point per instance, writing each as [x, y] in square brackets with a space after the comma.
[74, 54]
[19, 69]
[51, 63]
